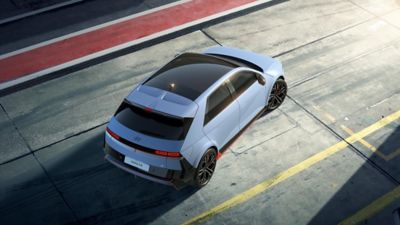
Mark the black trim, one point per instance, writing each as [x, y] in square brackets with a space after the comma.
[136, 172]
[136, 146]
[120, 158]
[178, 179]
[238, 61]
[182, 123]
[230, 142]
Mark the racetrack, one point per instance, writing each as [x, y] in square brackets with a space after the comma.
[329, 154]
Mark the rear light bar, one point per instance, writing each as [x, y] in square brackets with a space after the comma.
[114, 135]
[169, 154]
[149, 110]
[142, 148]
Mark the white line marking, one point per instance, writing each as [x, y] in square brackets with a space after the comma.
[126, 45]
[87, 30]
[45, 9]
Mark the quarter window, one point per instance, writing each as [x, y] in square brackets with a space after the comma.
[242, 80]
[217, 102]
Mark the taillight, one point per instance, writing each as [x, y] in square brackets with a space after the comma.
[114, 135]
[168, 154]
[140, 148]
[149, 110]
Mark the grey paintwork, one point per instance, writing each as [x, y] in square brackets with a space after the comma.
[200, 137]
[163, 101]
[100, 193]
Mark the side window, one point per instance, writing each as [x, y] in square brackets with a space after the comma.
[217, 102]
[242, 80]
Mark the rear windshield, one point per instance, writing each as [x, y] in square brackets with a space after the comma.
[151, 123]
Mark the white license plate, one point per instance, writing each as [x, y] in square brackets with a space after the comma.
[136, 163]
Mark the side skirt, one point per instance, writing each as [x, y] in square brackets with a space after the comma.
[227, 145]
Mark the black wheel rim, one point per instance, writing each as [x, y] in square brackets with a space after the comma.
[206, 167]
[277, 95]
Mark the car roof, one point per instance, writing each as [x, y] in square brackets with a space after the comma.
[190, 74]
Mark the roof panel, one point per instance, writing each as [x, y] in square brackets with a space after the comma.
[190, 74]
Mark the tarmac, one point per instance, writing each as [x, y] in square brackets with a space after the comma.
[329, 155]
[72, 16]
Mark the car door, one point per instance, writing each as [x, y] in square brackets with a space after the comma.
[250, 95]
[221, 120]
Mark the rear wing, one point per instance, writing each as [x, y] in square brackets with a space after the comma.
[265, 63]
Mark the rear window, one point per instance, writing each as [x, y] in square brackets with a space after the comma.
[151, 123]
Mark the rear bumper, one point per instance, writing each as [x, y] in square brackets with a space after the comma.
[176, 178]
[137, 173]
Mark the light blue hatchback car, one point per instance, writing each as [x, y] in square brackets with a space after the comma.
[174, 126]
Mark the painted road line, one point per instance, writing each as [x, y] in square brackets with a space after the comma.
[77, 49]
[394, 154]
[373, 208]
[42, 10]
[90, 29]
[365, 143]
[265, 185]
[328, 116]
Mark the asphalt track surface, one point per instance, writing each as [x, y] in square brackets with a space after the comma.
[109, 39]
[329, 155]
[66, 20]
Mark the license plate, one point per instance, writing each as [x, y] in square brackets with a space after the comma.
[136, 163]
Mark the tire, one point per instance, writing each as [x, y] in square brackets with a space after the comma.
[206, 168]
[278, 94]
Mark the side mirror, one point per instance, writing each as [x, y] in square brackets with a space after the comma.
[260, 79]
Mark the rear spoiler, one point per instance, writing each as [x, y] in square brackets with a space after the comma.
[161, 101]
[265, 63]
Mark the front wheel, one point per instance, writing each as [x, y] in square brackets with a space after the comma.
[278, 94]
[206, 168]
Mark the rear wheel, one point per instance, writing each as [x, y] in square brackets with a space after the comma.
[278, 94]
[206, 168]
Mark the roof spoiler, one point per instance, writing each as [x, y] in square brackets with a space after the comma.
[266, 63]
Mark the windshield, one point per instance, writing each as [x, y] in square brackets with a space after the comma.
[151, 123]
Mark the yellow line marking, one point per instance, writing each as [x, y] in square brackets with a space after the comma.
[373, 208]
[393, 154]
[327, 115]
[330, 117]
[265, 185]
[366, 144]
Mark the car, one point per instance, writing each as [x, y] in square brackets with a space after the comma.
[174, 126]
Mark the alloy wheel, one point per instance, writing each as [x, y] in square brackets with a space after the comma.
[277, 95]
[206, 168]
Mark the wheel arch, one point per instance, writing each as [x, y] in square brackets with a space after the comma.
[199, 156]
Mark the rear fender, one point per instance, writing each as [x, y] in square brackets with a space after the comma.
[194, 153]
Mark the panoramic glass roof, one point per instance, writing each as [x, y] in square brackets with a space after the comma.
[190, 74]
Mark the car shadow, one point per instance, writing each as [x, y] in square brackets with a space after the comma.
[364, 187]
[96, 191]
